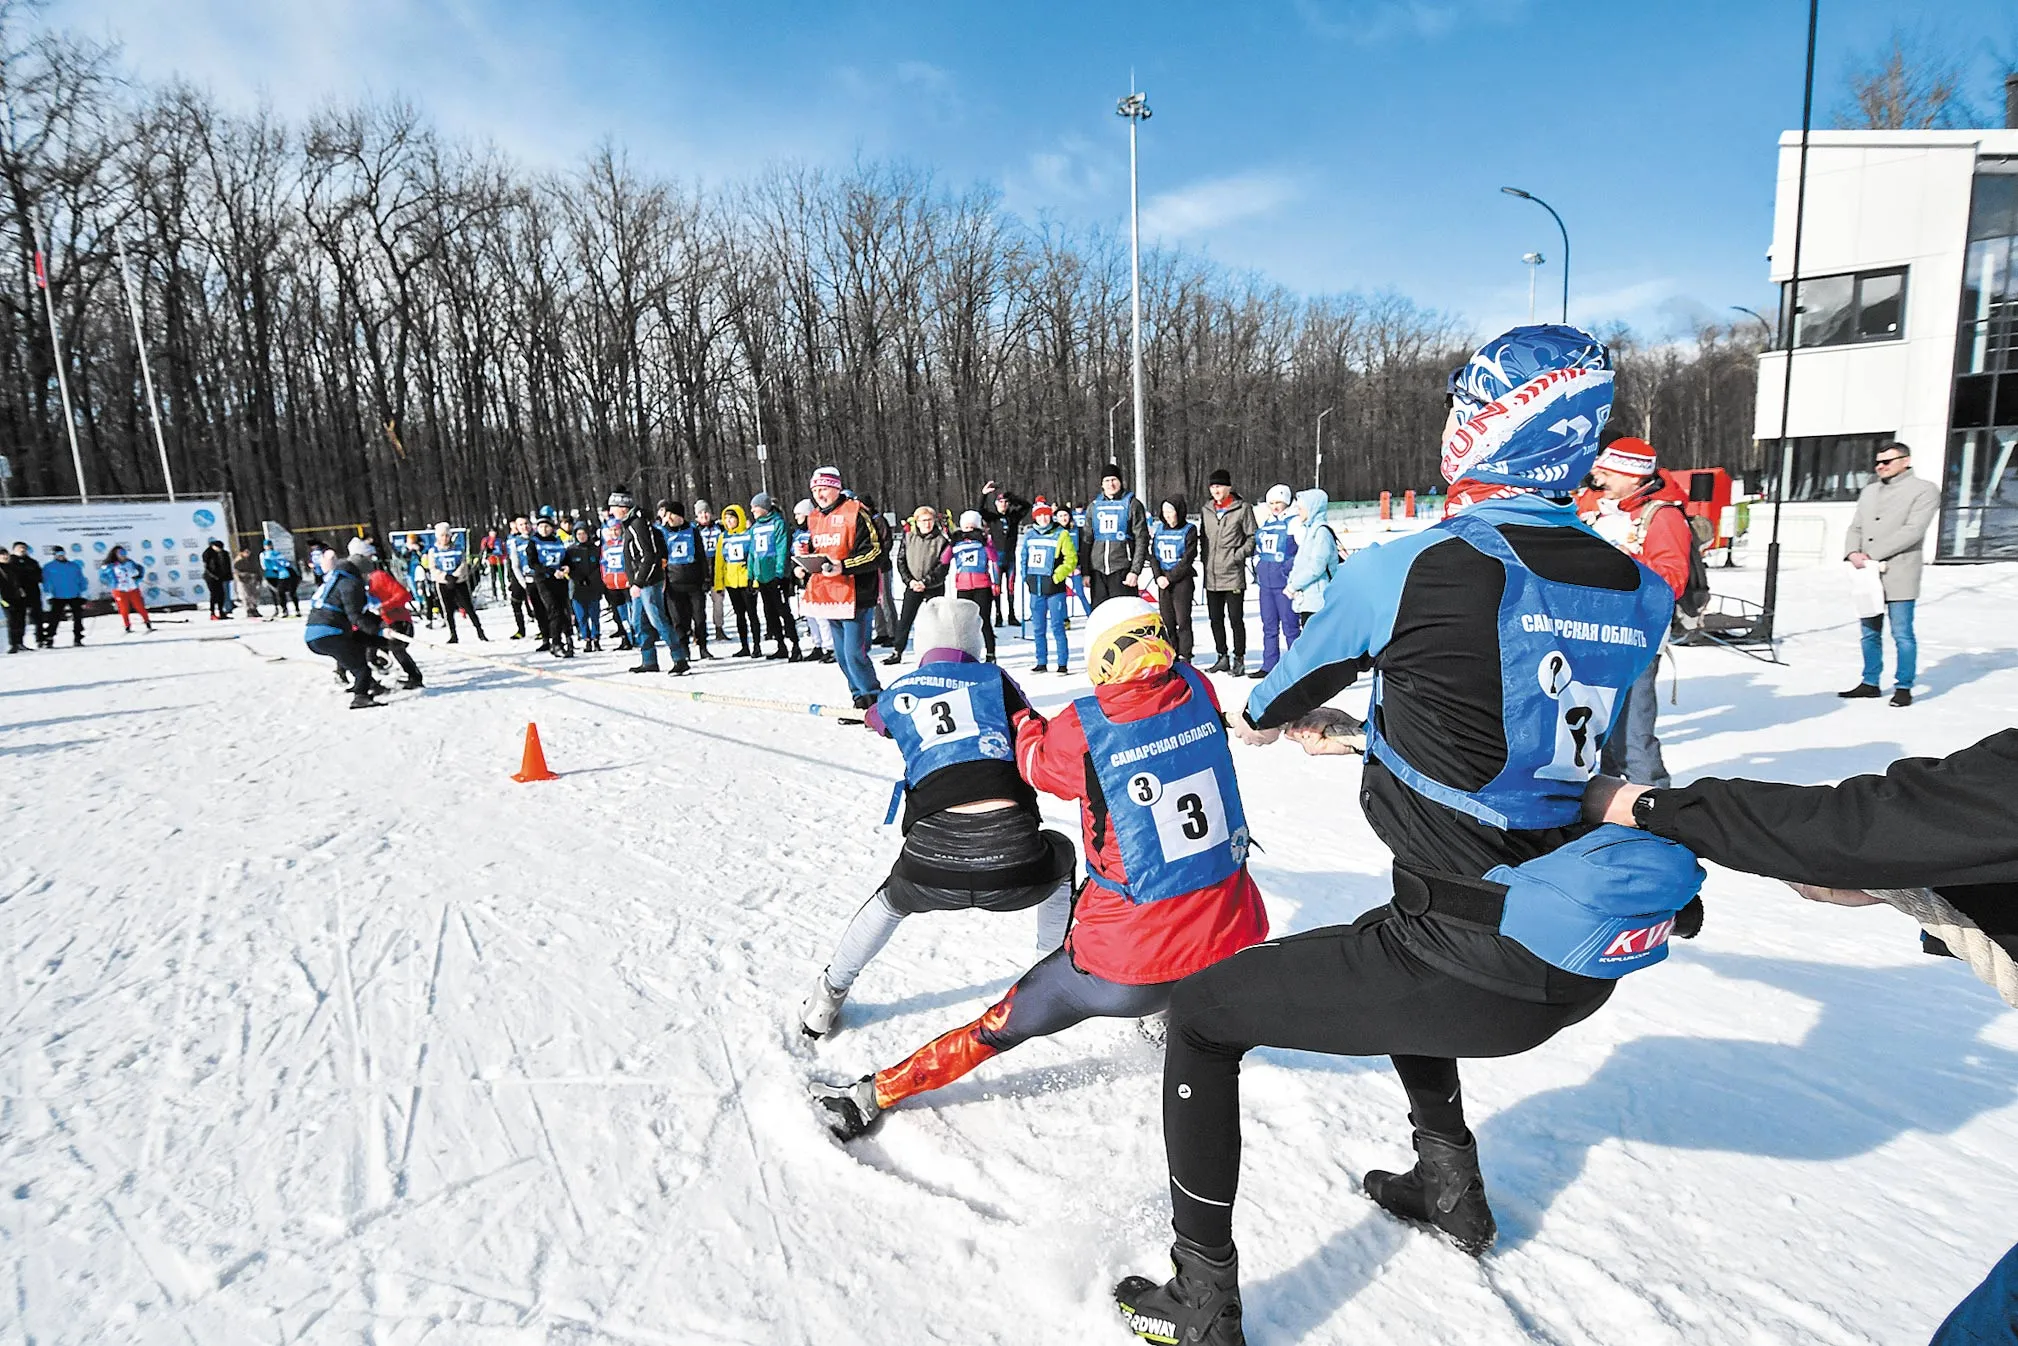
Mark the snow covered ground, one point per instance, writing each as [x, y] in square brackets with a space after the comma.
[317, 1027]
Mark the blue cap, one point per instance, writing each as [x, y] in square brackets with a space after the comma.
[1530, 406]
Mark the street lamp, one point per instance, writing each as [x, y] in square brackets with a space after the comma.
[1534, 261]
[763, 449]
[1759, 318]
[1530, 196]
[1135, 109]
[1317, 474]
[1119, 403]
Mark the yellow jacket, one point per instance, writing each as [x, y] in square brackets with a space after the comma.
[732, 556]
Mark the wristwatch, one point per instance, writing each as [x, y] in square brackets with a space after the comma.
[1643, 808]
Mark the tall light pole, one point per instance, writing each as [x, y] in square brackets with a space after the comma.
[763, 450]
[1135, 108]
[1530, 196]
[1534, 262]
[1119, 403]
[1760, 319]
[1770, 600]
[1317, 470]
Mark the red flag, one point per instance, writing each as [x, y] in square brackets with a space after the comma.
[41, 278]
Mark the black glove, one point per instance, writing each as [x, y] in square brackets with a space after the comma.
[1689, 920]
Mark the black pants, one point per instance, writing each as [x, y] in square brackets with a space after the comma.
[1223, 607]
[349, 650]
[981, 598]
[17, 625]
[519, 602]
[1005, 601]
[1348, 990]
[455, 594]
[54, 620]
[1175, 602]
[777, 599]
[617, 600]
[1100, 588]
[220, 596]
[908, 614]
[286, 591]
[749, 630]
[398, 648]
[556, 613]
[689, 611]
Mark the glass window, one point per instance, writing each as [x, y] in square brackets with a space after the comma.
[1831, 467]
[1841, 310]
[1994, 211]
[1878, 299]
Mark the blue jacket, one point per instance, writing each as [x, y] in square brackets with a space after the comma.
[1316, 554]
[117, 575]
[274, 565]
[63, 579]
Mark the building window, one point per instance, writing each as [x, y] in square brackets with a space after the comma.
[1848, 309]
[1979, 493]
[1830, 467]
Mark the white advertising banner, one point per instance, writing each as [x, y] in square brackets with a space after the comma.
[166, 537]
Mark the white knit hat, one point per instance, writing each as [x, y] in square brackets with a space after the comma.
[950, 624]
[971, 520]
[1280, 494]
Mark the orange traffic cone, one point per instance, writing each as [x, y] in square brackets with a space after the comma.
[534, 764]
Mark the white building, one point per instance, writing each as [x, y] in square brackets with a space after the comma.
[1906, 328]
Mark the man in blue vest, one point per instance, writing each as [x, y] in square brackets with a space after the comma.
[1500, 643]
[518, 572]
[1115, 540]
[973, 840]
[1274, 556]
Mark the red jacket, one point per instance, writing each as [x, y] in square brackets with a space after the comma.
[393, 597]
[1661, 529]
[1112, 937]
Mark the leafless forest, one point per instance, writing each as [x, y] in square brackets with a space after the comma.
[357, 318]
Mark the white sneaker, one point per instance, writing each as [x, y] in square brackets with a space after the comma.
[820, 1009]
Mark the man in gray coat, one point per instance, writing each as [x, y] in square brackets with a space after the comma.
[1893, 516]
[1226, 541]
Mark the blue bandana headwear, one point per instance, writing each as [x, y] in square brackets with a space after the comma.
[1530, 405]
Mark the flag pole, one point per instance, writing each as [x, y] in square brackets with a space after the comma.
[62, 379]
[146, 371]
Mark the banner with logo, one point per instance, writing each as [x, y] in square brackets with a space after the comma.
[166, 537]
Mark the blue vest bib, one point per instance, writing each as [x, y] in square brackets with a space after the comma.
[711, 538]
[446, 559]
[1601, 906]
[552, 551]
[1567, 654]
[682, 546]
[1040, 553]
[944, 714]
[1110, 518]
[1170, 544]
[1271, 539]
[736, 549]
[1172, 799]
[764, 534]
[970, 558]
[515, 547]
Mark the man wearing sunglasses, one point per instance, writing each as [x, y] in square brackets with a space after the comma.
[1893, 516]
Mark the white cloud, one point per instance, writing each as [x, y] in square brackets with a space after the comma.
[1201, 207]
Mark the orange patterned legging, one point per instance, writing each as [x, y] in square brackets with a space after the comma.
[1050, 997]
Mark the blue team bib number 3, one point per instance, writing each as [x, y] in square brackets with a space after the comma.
[1189, 813]
[945, 718]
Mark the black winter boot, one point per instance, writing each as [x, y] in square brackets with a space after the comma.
[1200, 1304]
[1444, 1190]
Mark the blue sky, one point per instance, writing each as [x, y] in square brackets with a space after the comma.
[1327, 144]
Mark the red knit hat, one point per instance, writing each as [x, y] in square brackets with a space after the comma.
[1634, 457]
[1042, 509]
